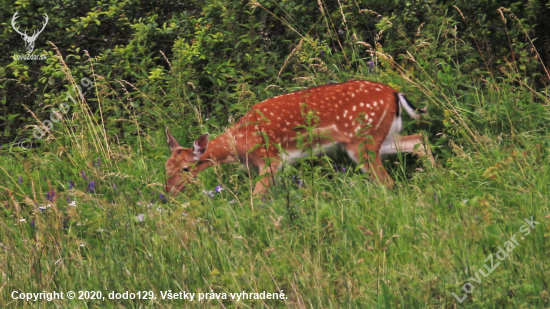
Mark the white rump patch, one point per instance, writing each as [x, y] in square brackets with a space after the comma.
[388, 147]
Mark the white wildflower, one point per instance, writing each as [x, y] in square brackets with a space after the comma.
[209, 193]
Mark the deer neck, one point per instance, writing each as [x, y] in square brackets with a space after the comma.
[220, 150]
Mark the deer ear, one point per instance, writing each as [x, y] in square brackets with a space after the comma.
[171, 141]
[200, 146]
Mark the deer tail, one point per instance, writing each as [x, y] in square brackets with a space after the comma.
[409, 108]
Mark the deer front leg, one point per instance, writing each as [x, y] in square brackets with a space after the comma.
[265, 182]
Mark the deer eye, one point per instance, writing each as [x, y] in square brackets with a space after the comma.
[186, 169]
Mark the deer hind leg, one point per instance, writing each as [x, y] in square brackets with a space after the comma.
[408, 144]
[372, 165]
[265, 182]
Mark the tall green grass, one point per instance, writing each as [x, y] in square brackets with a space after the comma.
[339, 241]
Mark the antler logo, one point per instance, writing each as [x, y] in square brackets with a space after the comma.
[29, 40]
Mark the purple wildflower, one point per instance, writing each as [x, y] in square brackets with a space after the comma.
[20, 180]
[298, 181]
[44, 177]
[83, 175]
[32, 223]
[7, 205]
[371, 64]
[163, 197]
[343, 169]
[91, 186]
[98, 161]
[218, 189]
[0, 147]
[114, 187]
[71, 184]
[50, 195]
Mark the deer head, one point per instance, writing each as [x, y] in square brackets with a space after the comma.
[181, 166]
[29, 40]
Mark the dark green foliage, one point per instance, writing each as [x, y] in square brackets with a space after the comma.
[220, 54]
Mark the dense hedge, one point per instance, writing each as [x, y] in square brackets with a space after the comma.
[218, 53]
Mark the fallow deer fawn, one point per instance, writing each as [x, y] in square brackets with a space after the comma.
[337, 107]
